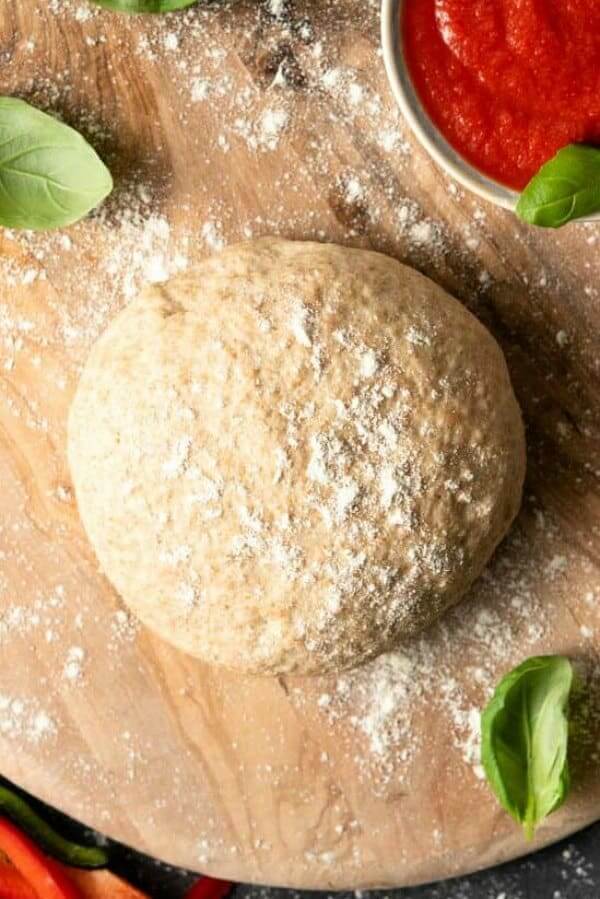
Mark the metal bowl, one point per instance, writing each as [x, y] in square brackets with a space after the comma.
[416, 116]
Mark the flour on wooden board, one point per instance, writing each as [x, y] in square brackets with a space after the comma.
[256, 110]
[134, 239]
[25, 720]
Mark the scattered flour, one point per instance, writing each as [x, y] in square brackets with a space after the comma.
[309, 80]
[384, 700]
[24, 720]
[73, 668]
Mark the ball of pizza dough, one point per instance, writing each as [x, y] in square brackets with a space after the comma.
[295, 456]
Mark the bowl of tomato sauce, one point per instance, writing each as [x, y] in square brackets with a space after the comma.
[494, 88]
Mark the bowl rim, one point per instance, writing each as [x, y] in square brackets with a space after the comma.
[424, 129]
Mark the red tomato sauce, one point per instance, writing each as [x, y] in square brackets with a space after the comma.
[507, 82]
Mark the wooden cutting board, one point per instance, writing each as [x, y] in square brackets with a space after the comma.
[219, 123]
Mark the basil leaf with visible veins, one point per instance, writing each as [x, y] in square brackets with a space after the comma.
[524, 737]
[49, 175]
[565, 188]
[144, 6]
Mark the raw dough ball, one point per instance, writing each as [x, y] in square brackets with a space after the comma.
[295, 456]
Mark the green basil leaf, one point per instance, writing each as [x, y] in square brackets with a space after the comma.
[524, 738]
[49, 175]
[144, 6]
[565, 188]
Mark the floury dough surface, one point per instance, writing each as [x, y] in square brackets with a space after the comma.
[295, 456]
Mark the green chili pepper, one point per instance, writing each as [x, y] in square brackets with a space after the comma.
[19, 811]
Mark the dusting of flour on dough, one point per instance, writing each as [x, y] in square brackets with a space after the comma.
[353, 510]
[291, 65]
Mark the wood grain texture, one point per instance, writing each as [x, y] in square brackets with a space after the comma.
[255, 779]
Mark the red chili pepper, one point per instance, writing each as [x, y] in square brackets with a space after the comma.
[103, 885]
[13, 885]
[48, 880]
[209, 888]
[19, 811]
